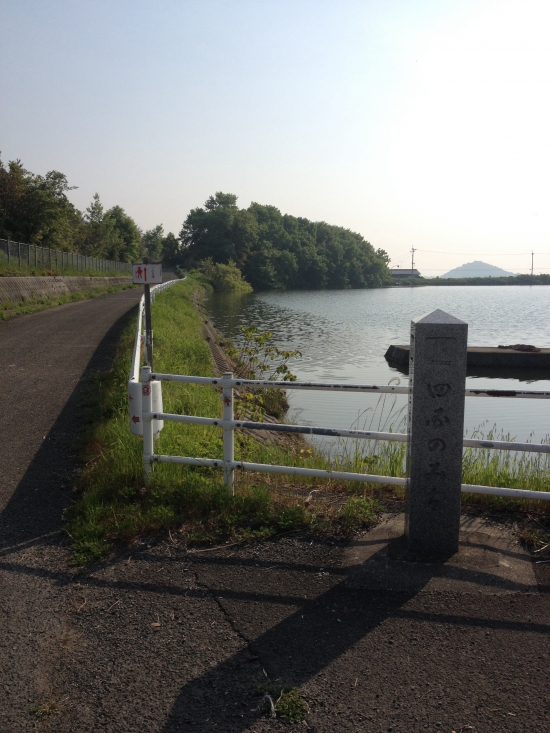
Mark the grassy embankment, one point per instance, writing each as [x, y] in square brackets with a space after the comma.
[9, 309]
[12, 269]
[114, 505]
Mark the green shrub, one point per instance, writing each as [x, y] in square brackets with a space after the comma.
[224, 278]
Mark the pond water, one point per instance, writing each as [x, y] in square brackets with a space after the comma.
[344, 334]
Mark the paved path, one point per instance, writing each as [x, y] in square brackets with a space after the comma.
[43, 357]
[158, 640]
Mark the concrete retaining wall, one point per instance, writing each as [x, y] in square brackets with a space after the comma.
[22, 289]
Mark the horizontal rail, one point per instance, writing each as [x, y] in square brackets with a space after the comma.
[511, 493]
[337, 433]
[506, 445]
[269, 384]
[323, 387]
[293, 470]
[342, 475]
[275, 427]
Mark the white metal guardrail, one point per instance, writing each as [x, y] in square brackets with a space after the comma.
[134, 385]
[150, 416]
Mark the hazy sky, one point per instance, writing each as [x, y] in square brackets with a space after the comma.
[422, 123]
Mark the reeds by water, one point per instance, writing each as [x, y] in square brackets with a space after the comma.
[481, 466]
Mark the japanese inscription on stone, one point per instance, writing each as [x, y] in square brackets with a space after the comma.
[436, 423]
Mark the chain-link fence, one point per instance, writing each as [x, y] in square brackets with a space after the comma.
[30, 255]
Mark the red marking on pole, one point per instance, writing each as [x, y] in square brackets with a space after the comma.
[130, 397]
[146, 390]
[227, 401]
[145, 274]
[135, 419]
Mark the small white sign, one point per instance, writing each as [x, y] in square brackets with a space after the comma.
[150, 274]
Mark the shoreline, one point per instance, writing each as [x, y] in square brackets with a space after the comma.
[222, 362]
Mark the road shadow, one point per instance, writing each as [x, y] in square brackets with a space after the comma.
[313, 633]
[33, 514]
[295, 620]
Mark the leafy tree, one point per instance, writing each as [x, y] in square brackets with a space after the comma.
[281, 251]
[128, 232]
[152, 242]
[171, 249]
[221, 231]
[35, 209]
[101, 236]
[221, 201]
[224, 278]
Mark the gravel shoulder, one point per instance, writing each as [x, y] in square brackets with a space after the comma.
[159, 639]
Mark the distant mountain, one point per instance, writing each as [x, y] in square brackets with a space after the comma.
[478, 269]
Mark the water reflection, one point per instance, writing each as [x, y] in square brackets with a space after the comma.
[520, 374]
[343, 336]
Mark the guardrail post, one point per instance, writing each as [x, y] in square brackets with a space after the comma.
[436, 430]
[146, 406]
[228, 433]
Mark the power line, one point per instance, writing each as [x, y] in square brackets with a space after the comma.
[483, 254]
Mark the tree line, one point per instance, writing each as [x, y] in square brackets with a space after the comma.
[259, 245]
[415, 282]
[280, 251]
[35, 209]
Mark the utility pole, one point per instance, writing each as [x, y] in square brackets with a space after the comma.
[532, 253]
[412, 258]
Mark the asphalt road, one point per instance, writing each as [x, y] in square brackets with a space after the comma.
[43, 359]
[159, 640]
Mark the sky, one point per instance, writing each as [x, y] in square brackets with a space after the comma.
[420, 124]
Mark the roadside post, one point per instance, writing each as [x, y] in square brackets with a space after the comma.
[436, 428]
[147, 274]
[228, 432]
[148, 437]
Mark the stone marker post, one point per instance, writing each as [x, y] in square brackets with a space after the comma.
[436, 430]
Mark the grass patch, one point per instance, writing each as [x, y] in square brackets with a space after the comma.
[13, 269]
[50, 707]
[529, 471]
[481, 466]
[281, 701]
[114, 506]
[8, 310]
